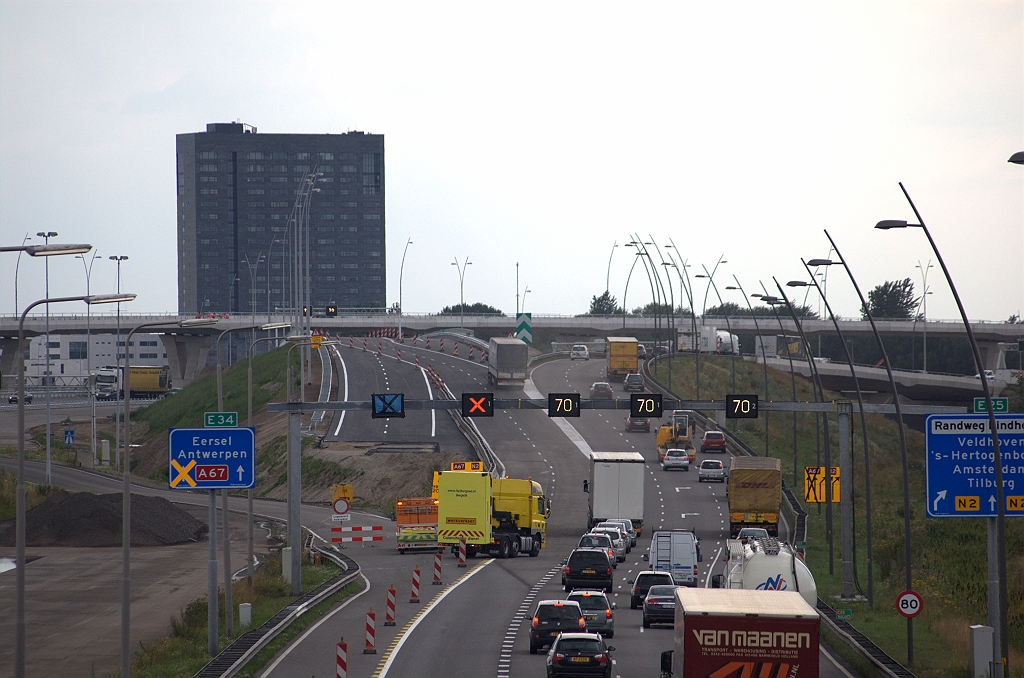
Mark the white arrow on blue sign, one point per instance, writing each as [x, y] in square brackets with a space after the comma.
[211, 458]
[960, 477]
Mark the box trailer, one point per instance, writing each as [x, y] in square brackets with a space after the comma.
[616, 488]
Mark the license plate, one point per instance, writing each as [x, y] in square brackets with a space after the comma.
[590, 616]
[581, 660]
[589, 571]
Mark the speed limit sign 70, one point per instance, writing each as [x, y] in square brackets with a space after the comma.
[908, 604]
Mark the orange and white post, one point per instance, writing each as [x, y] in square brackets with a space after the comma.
[437, 569]
[462, 553]
[371, 633]
[414, 597]
[389, 611]
[342, 659]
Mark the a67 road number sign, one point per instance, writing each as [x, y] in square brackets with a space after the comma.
[908, 604]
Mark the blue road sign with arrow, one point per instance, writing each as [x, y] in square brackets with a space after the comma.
[386, 405]
[960, 476]
[211, 458]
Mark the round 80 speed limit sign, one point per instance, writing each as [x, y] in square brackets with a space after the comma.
[909, 604]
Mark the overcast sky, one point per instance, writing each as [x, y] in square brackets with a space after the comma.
[541, 133]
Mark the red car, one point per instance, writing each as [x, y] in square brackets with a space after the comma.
[713, 441]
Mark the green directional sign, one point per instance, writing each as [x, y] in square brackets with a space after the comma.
[220, 419]
[524, 330]
[999, 405]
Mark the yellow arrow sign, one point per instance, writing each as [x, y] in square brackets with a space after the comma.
[183, 473]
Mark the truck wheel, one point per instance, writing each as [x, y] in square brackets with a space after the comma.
[513, 548]
[504, 548]
[535, 549]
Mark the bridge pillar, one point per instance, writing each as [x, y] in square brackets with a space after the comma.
[8, 361]
[993, 355]
[186, 356]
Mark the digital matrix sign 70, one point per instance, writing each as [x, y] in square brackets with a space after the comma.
[741, 407]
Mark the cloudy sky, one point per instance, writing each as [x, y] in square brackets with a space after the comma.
[541, 133]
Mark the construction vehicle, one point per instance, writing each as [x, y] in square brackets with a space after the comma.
[500, 517]
[622, 358]
[507, 359]
[739, 632]
[416, 524]
[146, 382]
[616, 488]
[678, 433]
[766, 564]
[754, 492]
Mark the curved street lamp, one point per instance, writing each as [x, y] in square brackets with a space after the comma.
[401, 272]
[792, 379]
[764, 359]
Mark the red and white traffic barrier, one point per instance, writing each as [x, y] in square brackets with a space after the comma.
[483, 356]
[462, 553]
[380, 348]
[428, 343]
[437, 570]
[371, 633]
[342, 659]
[456, 352]
[414, 337]
[398, 354]
[470, 352]
[389, 611]
[359, 528]
[350, 341]
[414, 597]
[417, 361]
[364, 342]
[442, 344]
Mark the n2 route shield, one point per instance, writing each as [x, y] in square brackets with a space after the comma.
[211, 459]
[960, 476]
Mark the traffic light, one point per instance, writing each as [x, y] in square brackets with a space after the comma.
[563, 404]
[478, 404]
[305, 310]
[741, 407]
[645, 405]
[332, 310]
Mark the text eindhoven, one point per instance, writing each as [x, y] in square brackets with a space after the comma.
[978, 425]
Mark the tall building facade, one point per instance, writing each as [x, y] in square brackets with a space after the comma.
[236, 192]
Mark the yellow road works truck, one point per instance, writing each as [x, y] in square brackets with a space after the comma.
[755, 493]
[500, 517]
[678, 433]
[416, 524]
[622, 357]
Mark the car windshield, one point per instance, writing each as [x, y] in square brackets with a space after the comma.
[646, 580]
[676, 453]
[579, 645]
[710, 463]
[710, 435]
[554, 612]
[595, 541]
[661, 591]
[591, 602]
[588, 559]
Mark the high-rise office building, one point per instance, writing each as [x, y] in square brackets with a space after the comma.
[236, 192]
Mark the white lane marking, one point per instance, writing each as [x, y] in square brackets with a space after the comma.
[707, 575]
[430, 392]
[570, 432]
[298, 641]
[505, 659]
[344, 369]
[423, 614]
[836, 662]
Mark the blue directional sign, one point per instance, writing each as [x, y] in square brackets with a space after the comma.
[211, 458]
[387, 405]
[960, 476]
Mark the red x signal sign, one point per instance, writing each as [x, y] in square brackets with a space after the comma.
[478, 404]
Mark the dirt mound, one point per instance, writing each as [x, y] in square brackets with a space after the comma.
[84, 519]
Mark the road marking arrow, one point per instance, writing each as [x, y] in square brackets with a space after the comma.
[991, 503]
[935, 504]
[240, 472]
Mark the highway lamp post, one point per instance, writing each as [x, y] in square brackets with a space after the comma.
[270, 272]
[655, 295]
[126, 476]
[665, 296]
[253, 270]
[249, 492]
[681, 271]
[119, 382]
[626, 290]
[732, 348]
[997, 545]
[462, 289]
[792, 379]
[88, 352]
[924, 311]
[525, 292]
[702, 311]
[608, 275]
[907, 562]
[17, 265]
[764, 358]
[19, 623]
[401, 272]
[47, 377]
[847, 509]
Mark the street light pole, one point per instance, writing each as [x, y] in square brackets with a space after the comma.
[401, 272]
[88, 350]
[120, 380]
[462, 295]
[732, 347]
[764, 357]
[608, 275]
[47, 378]
[924, 307]
[17, 264]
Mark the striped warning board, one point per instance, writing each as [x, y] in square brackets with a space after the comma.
[370, 529]
[468, 535]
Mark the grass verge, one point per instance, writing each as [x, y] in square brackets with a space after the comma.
[34, 495]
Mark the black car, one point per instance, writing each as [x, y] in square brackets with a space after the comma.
[553, 617]
[580, 654]
[13, 398]
[601, 390]
[643, 583]
[588, 568]
[634, 382]
[638, 424]
[660, 605]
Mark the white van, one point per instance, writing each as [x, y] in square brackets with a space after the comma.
[676, 552]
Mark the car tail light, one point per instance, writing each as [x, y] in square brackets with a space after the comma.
[609, 571]
[636, 589]
[608, 614]
[559, 655]
[534, 623]
[694, 569]
[565, 570]
[583, 623]
[611, 553]
[601, 658]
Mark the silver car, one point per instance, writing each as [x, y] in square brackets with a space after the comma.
[711, 469]
[597, 610]
[675, 458]
[618, 540]
[618, 526]
[627, 526]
